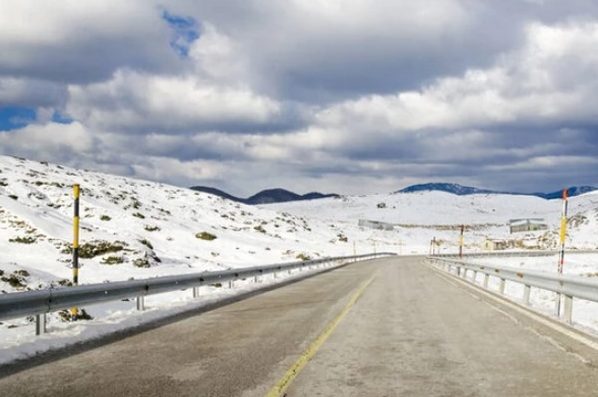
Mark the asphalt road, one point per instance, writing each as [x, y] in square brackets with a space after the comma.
[411, 332]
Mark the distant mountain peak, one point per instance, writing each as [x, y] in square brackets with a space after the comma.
[453, 188]
[460, 190]
[267, 196]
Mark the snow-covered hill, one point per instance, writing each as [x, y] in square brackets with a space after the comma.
[133, 228]
[418, 217]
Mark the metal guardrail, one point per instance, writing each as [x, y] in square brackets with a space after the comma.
[40, 302]
[565, 285]
[508, 254]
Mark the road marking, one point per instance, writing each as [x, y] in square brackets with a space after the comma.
[537, 317]
[283, 384]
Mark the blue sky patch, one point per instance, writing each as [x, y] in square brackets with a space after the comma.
[61, 118]
[185, 29]
[14, 117]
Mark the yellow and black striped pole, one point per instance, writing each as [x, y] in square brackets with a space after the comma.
[563, 238]
[76, 194]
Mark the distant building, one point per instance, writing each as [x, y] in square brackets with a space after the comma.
[375, 224]
[527, 225]
[495, 244]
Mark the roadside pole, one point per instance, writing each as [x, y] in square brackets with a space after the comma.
[461, 239]
[76, 194]
[563, 237]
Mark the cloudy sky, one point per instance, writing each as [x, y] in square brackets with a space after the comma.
[330, 95]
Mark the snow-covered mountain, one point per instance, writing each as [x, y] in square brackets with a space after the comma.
[267, 196]
[461, 190]
[453, 188]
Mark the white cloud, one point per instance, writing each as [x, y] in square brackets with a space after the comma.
[73, 41]
[48, 141]
[169, 169]
[141, 102]
[552, 78]
[304, 91]
[31, 92]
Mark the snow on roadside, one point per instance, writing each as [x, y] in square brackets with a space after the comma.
[585, 313]
[20, 342]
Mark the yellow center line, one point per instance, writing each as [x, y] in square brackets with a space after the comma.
[310, 352]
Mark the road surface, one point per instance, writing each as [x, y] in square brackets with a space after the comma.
[386, 327]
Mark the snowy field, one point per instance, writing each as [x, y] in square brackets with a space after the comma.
[138, 229]
[420, 217]
[585, 313]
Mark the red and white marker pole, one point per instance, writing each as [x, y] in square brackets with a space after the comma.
[563, 237]
[563, 230]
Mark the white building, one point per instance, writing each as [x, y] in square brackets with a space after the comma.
[527, 225]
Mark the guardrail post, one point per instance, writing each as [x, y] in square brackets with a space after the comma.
[40, 324]
[568, 309]
[475, 275]
[290, 272]
[502, 286]
[231, 284]
[256, 279]
[526, 293]
[140, 302]
[486, 278]
[195, 292]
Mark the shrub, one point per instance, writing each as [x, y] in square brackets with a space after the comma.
[303, 257]
[259, 228]
[151, 228]
[105, 218]
[65, 282]
[96, 248]
[205, 236]
[23, 240]
[147, 243]
[12, 196]
[139, 215]
[135, 203]
[16, 279]
[141, 262]
[113, 260]
[66, 315]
